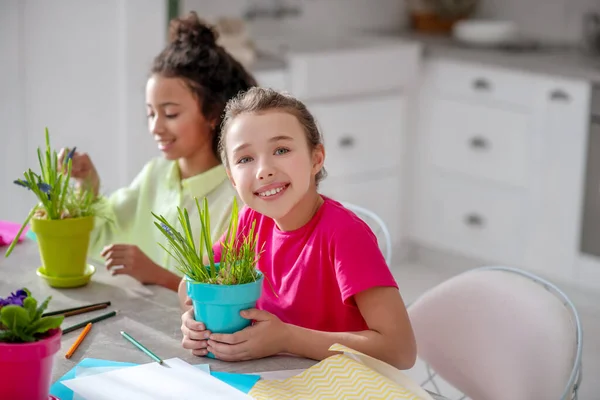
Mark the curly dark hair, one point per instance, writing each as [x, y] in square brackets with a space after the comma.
[211, 73]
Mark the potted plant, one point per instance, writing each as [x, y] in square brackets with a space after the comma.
[62, 220]
[28, 342]
[219, 291]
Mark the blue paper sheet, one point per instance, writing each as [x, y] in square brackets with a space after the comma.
[242, 382]
[64, 393]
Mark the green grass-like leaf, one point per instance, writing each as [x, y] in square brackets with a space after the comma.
[62, 199]
[239, 255]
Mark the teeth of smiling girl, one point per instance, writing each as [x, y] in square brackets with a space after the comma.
[270, 192]
[164, 144]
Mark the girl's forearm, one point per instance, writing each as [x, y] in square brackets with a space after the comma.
[314, 344]
[169, 280]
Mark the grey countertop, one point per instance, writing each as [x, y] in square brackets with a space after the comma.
[566, 61]
[557, 60]
[150, 314]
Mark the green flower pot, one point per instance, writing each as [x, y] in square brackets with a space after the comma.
[63, 245]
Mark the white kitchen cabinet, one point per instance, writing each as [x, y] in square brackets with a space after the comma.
[561, 131]
[484, 221]
[362, 135]
[353, 70]
[78, 68]
[482, 83]
[481, 141]
[473, 161]
[513, 197]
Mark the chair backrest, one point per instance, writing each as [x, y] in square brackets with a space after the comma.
[378, 227]
[500, 333]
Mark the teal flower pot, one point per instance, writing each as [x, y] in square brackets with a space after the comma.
[218, 306]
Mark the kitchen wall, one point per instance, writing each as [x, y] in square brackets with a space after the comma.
[80, 69]
[327, 15]
[556, 20]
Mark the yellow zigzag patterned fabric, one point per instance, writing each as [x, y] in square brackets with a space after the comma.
[336, 377]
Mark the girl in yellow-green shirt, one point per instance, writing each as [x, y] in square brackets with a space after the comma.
[191, 81]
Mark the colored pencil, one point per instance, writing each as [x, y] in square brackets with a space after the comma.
[84, 323]
[79, 340]
[84, 310]
[68, 310]
[142, 348]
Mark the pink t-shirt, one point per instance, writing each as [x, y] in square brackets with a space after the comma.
[317, 269]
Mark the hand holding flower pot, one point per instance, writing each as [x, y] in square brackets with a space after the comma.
[28, 343]
[219, 291]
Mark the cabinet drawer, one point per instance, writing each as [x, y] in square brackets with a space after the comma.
[353, 71]
[481, 83]
[477, 221]
[361, 135]
[480, 141]
[381, 195]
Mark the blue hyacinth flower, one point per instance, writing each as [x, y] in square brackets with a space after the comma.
[71, 154]
[44, 187]
[22, 183]
[167, 229]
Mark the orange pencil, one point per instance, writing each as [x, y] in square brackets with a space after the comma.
[79, 340]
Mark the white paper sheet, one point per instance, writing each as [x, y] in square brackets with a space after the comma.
[175, 379]
[84, 371]
[80, 372]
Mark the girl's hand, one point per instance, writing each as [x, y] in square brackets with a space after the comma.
[195, 334]
[82, 169]
[266, 337]
[130, 260]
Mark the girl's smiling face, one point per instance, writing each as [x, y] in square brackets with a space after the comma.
[175, 120]
[270, 162]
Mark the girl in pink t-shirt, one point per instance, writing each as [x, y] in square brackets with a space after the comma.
[327, 279]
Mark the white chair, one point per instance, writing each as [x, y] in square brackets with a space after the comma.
[378, 227]
[499, 333]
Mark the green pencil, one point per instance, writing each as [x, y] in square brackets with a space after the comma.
[142, 348]
[93, 320]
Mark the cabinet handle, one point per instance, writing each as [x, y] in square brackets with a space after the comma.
[346, 142]
[559, 95]
[481, 84]
[474, 220]
[479, 143]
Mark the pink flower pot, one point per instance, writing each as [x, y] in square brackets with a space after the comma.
[26, 368]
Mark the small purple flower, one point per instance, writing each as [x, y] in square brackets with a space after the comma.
[15, 299]
[22, 183]
[71, 154]
[167, 229]
[44, 187]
